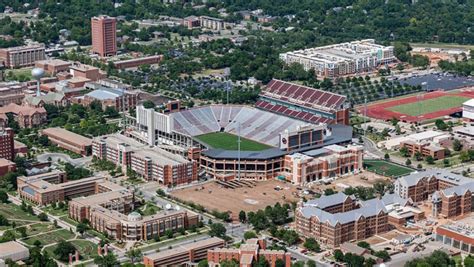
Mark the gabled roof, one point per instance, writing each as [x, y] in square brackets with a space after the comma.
[440, 174]
[328, 201]
[459, 190]
[368, 208]
[389, 199]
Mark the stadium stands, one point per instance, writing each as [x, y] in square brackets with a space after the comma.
[304, 103]
[255, 124]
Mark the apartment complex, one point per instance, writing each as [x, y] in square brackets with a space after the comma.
[454, 201]
[152, 163]
[108, 211]
[7, 147]
[46, 188]
[69, 140]
[343, 59]
[248, 254]
[11, 93]
[26, 116]
[104, 35]
[135, 62]
[211, 23]
[21, 56]
[118, 99]
[335, 219]
[326, 162]
[193, 252]
[419, 186]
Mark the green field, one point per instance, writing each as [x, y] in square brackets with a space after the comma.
[430, 105]
[50, 237]
[229, 141]
[13, 212]
[386, 168]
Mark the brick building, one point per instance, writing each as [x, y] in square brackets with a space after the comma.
[104, 35]
[46, 188]
[92, 73]
[119, 99]
[21, 56]
[7, 144]
[69, 140]
[458, 236]
[248, 254]
[425, 149]
[191, 22]
[211, 23]
[108, 211]
[6, 166]
[53, 66]
[192, 252]
[335, 219]
[26, 116]
[153, 164]
[419, 186]
[136, 62]
[11, 93]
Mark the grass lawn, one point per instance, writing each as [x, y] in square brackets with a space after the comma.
[13, 212]
[38, 228]
[149, 209]
[430, 105]
[69, 220]
[50, 237]
[229, 141]
[386, 168]
[87, 250]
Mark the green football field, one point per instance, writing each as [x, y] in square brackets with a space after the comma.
[229, 141]
[430, 105]
[386, 168]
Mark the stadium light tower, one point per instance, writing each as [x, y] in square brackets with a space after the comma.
[238, 149]
[37, 73]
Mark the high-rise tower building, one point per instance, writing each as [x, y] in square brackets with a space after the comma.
[104, 35]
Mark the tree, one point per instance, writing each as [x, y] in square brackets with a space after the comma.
[338, 255]
[37, 243]
[22, 231]
[469, 261]
[312, 245]
[386, 156]
[418, 156]
[457, 145]
[217, 229]
[383, 254]
[261, 262]
[169, 233]
[81, 228]
[364, 244]
[242, 216]
[3, 221]
[441, 125]
[134, 254]
[404, 152]
[109, 260]
[250, 235]
[203, 263]
[329, 191]
[430, 160]
[280, 263]
[148, 104]
[464, 156]
[3, 197]
[311, 263]
[62, 250]
[419, 166]
[43, 216]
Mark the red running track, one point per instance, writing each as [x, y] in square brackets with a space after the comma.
[380, 110]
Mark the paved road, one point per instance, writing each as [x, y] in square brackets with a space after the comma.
[79, 162]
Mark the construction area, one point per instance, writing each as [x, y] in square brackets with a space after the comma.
[235, 196]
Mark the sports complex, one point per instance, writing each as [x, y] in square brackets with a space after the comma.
[422, 107]
[290, 124]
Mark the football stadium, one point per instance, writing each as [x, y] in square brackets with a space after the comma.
[282, 124]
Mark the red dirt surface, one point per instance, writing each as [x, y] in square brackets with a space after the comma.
[380, 110]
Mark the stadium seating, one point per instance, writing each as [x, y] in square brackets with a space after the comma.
[287, 99]
[255, 124]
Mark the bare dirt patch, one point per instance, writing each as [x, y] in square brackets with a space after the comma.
[215, 197]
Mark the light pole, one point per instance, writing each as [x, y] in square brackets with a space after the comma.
[238, 149]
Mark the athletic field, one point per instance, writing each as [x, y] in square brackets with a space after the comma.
[229, 142]
[430, 105]
[417, 108]
[386, 168]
